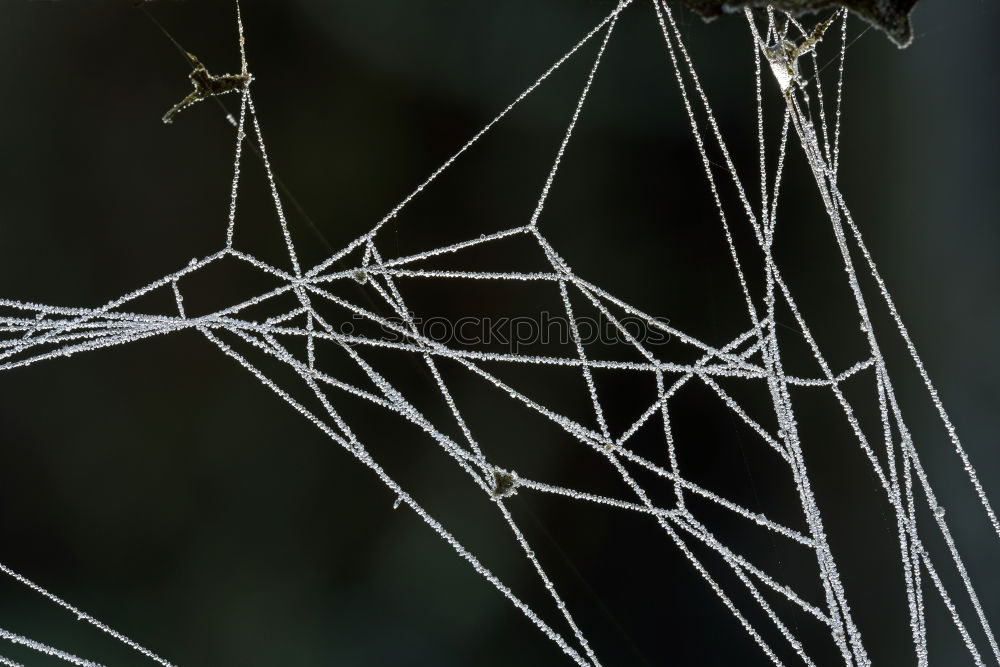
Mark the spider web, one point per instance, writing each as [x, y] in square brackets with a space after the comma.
[295, 326]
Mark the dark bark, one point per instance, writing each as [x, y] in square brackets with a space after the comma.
[891, 16]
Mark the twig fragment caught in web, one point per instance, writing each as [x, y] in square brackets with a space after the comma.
[207, 85]
[783, 54]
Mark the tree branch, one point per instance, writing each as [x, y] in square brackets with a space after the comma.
[891, 16]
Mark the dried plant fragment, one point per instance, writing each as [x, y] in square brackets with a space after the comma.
[206, 85]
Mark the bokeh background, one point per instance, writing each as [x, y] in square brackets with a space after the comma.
[162, 490]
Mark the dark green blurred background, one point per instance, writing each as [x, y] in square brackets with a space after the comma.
[164, 491]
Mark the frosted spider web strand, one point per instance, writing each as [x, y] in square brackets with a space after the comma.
[881, 377]
[84, 315]
[241, 37]
[83, 616]
[706, 165]
[397, 297]
[275, 198]
[911, 573]
[9, 663]
[953, 611]
[663, 10]
[453, 408]
[913, 594]
[826, 148]
[178, 299]
[828, 569]
[914, 555]
[917, 549]
[938, 513]
[403, 310]
[894, 491]
[46, 649]
[710, 177]
[361, 454]
[118, 302]
[447, 163]
[279, 209]
[773, 273]
[918, 362]
[668, 436]
[835, 206]
[689, 555]
[743, 568]
[734, 562]
[738, 564]
[769, 219]
[840, 92]
[572, 123]
[126, 327]
[761, 144]
[240, 136]
[828, 188]
[726, 600]
[660, 12]
[831, 153]
[584, 366]
[506, 514]
[393, 402]
[696, 489]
